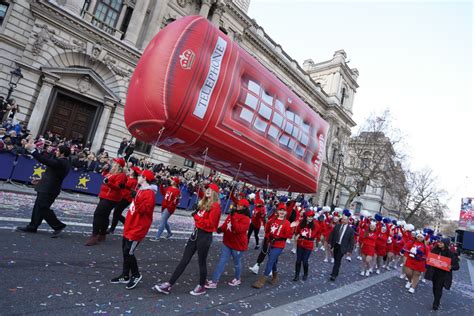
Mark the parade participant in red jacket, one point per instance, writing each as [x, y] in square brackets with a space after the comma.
[416, 261]
[137, 224]
[381, 247]
[306, 233]
[110, 194]
[170, 201]
[278, 230]
[206, 219]
[368, 239]
[127, 198]
[258, 219]
[234, 244]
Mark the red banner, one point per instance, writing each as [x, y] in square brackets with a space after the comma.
[438, 261]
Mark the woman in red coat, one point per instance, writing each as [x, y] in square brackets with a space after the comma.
[171, 196]
[234, 244]
[368, 239]
[416, 261]
[381, 247]
[206, 220]
[137, 224]
[127, 198]
[305, 235]
[110, 194]
[278, 231]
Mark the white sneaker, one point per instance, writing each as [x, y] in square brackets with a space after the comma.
[402, 276]
[154, 239]
[271, 274]
[377, 271]
[332, 260]
[210, 285]
[359, 258]
[423, 280]
[388, 268]
[254, 269]
[198, 290]
[367, 273]
[322, 247]
[348, 258]
[288, 241]
[293, 251]
[371, 271]
[401, 264]
[408, 285]
[325, 260]
[411, 290]
[234, 282]
[362, 273]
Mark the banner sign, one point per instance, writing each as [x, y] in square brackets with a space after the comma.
[438, 261]
[85, 182]
[27, 169]
[466, 217]
[7, 161]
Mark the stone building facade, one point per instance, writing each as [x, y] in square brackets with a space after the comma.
[77, 57]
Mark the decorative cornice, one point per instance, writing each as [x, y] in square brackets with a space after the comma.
[12, 41]
[70, 23]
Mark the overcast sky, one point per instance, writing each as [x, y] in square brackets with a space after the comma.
[414, 58]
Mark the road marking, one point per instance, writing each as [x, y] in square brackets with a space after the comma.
[27, 220]
[314, 302]
[471, 270]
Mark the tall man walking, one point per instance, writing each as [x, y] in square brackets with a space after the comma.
[48, 188]
[342, 242]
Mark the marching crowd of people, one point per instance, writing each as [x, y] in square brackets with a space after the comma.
[378, 242]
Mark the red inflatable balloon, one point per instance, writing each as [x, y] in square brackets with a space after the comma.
[194, 88]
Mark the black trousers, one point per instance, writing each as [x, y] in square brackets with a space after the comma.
[42, 211]
[438, 283]
[255, 231]
[117, 216]
[337, 260]
[101, 216]
[129, 260]
[263, 251]
[199, 241]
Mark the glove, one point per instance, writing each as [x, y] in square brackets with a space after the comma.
[122, 186]
[133, 193]
[219, 230]
[232, 211]
[106, 180]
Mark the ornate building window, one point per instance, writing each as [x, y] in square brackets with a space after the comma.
[142, 147]
[106, 14]
[3, 11]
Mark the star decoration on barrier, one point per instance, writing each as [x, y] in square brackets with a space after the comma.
[38, 170]
[83, 179]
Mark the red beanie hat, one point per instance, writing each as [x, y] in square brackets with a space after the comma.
[281, 206]
[244, 202]
[120, 162]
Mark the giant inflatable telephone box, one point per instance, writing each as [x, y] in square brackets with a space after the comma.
[194, 88]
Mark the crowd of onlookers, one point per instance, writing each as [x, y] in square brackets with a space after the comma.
[14, 135]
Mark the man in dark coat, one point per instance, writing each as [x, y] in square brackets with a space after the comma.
[342, 242]
[48, 188]
[442, 278]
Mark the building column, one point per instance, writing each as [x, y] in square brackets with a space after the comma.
[102, 126]
[74, 6]
[136, 21]
[218, 12]
[36, 117]
[205, 7]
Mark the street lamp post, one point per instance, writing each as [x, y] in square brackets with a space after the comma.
[341, 156]
[15, 76]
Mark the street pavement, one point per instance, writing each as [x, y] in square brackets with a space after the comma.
[44, 276]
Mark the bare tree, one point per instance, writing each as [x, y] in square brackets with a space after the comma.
[424, 202]
[373, 159]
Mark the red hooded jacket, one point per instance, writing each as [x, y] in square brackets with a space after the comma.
[277, 231]
[170, 198]
[208, 220]
[127, 191]
[235, 229]
[140, 214]
[112, 190]
[258, 215]
[306, 236]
